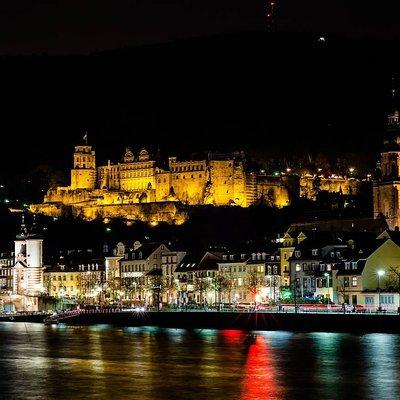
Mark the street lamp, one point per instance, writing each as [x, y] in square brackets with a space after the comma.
[327, 285]
[298, 269]
[380, 273]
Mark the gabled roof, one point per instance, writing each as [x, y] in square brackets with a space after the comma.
[388, 234]
[342, 271]
[145, 250]
[194, 262]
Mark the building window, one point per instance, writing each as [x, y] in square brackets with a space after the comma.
[354, 265]
[389, 300]
[354, 281]
[297, 253]
[346, 281]
[369, 300]
[314, 252]
[347, 265]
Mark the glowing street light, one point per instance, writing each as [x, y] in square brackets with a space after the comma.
[380, 273]
[326, 274]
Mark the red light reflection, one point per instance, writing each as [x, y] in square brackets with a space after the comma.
[260, 381]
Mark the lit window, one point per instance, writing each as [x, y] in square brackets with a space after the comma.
[369, 300]
[354, 281]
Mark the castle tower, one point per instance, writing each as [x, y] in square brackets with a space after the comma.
[83, 174]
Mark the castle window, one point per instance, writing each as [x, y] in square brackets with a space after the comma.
[184, 177]
[165, 180]
[192, 176]
[199, 175]
[177, 177]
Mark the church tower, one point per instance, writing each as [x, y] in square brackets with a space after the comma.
[83, 174]
[28, 267]
[386, 189]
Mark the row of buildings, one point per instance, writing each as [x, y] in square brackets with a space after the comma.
[356, 268]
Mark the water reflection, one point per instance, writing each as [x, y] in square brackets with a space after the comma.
[103, 362]
[260, 379]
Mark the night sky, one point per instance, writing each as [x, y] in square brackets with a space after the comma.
[187, 76]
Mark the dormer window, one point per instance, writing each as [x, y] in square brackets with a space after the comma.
[242, 256]
[332, 254]
[297, 253]
[346, 265]
[231, 257]
[314, 252]
[224, 257]
[338, 255]
[354, 265]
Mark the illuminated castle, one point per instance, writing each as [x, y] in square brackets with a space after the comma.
[139, 189]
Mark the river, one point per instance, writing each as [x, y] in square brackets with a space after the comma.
[104, 362]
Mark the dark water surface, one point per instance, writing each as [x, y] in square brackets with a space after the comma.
[103, 362]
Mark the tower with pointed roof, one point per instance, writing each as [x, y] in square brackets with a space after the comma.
[28, 267]
[386, 189]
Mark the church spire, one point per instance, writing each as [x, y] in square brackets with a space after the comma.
[23, 231]
[34, 231]
[393, 116]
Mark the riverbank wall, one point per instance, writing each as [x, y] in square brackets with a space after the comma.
[357, 323]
